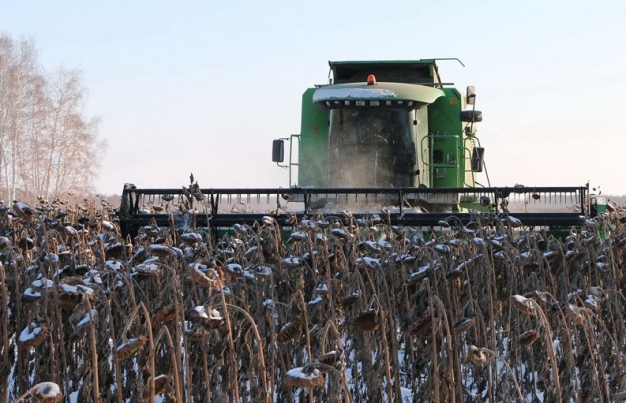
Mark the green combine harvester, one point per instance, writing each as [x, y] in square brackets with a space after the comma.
[389, 124]
[386, 140]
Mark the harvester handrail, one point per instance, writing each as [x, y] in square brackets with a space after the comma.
[351, 190]
[215, 194]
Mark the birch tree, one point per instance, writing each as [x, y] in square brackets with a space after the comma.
[47, 145]
[18, 72]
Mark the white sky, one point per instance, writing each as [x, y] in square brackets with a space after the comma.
[205, 86]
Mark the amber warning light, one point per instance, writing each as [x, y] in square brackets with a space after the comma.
[371, 79]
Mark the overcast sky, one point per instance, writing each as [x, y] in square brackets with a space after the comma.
[205, 86]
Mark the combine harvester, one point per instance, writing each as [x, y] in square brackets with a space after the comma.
[386, 140]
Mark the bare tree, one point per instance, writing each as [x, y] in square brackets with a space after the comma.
[47, 145]
[18, 73]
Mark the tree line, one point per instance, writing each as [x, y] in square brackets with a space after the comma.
[47, 144]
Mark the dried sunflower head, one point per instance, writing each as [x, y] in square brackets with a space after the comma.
[47, 392]
[523, 304]
[290, 330]
[528, 338]
[367, 321]
[303, 377]
[130, 347]
[477, 355]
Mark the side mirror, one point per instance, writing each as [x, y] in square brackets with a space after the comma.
[278, 151]
[471, 95]
[478, 155]
[471, 116]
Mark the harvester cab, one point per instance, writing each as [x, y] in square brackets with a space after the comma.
[387, 124]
